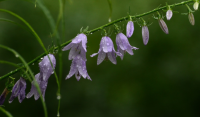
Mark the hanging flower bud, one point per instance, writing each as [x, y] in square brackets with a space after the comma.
[196, 5]
[163, 26]
[18, 90]
[129, 29]
[191, 18]
[3, 96]
[145, 34]
[169, 14]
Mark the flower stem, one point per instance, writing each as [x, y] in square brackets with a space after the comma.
[97, 29]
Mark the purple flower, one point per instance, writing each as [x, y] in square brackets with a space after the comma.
[163, 26]
[42, 85]
[41, 78]
[124, 45]
[3, 96]
[169, 14]
[129, 29]
[78, 45]
[18, 90]
[78, 67]
[45, 66]
[145, 34]
[106, 50]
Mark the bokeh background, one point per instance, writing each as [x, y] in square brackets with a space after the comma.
[161, 79]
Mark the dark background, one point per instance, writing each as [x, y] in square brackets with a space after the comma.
[161, 80]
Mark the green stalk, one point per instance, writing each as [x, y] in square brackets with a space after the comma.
[100, 28]
[6, 112]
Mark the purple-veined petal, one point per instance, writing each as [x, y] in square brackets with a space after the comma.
[18, 90]
[163, 26]
[46, 68]
[107, 44]
[68, 47]
[112, 57]
[73, 69]
[101, 57]
[83, 54]
[73, 52]
[129, 29]
[120, 40]
[145, 34]
[122, 53]
[81, 38]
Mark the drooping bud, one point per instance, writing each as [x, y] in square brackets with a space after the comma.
[163, 26]
[196, 5]
[169, 14]
[191, 18]
[3, 96]
[129, 29]
[145, 34]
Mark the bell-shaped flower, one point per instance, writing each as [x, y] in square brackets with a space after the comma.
[191, 18]
[124, 45]
[42, 85]
[129, 29]
[145, 34]
[77, 46]
[169, 14]
[106, 50]
[46, 68]
[163, 26]
[78, 67]
[18, 90]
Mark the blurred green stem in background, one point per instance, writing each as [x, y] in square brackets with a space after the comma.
[6, 112]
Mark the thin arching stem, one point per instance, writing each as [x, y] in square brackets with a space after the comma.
[100, 28]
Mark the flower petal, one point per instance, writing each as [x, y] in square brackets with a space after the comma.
[101, 57]
[112, 57]
[107, 44]
[73, 52]
[68, 47]
[73, 69]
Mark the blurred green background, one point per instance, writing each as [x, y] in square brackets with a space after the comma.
[162, 79]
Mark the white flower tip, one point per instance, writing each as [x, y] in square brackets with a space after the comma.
[196, 5]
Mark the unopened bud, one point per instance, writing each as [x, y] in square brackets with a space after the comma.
[129, 29]
[169, 14]
[145, 34]
[163, 26]
[196, 5]
[191, 18]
